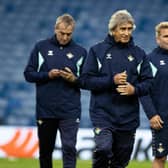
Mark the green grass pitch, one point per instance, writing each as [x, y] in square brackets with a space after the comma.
[33, 163]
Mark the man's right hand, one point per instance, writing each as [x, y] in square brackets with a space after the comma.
[120, 78]
[156, 122]
[54, 73]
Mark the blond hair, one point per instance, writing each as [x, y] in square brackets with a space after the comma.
[65, 18]
[119, 17]
[161, 25]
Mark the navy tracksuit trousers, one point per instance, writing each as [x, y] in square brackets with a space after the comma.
[47, 131]
[113, 148]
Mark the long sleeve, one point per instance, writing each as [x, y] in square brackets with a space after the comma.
[145, 77]
[147, 101]
[95, 75]
[32, 71]
[148, 106]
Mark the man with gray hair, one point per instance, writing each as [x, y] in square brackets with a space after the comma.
[156, 103]
[54, 65]
[117, 72]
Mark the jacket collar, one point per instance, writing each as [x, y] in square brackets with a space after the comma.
[110, 40]
[161, 50]
[55, 41]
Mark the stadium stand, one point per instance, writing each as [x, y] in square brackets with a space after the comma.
[25, 22]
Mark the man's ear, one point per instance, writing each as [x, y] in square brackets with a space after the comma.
[158, 40]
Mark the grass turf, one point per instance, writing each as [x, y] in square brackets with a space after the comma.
[33, 163]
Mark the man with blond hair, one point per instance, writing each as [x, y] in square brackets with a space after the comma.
[54, 66]
[117, 72]
[156, 103]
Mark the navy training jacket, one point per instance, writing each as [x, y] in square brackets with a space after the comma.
[107, 107]
[55, 98]
[156, 103]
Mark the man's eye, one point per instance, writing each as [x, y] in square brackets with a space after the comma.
[68, 34]
[130, 28]
[123, 29]
[166, 36]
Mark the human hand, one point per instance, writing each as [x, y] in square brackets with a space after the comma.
[68, 75]
[120, 78]
[126, 89]
[156, 122]
[54, 73]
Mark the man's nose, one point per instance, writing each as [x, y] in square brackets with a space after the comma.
[127, 32]
[65, 37]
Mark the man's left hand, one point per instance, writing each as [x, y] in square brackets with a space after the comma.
[68, 75]
[126, 89]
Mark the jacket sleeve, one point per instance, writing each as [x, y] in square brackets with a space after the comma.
[146, 101]
[32, 71]
[95, 74]
[79, 65]
[148, 106]
[145, 77]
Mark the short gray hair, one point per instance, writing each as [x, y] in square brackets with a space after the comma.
[161, 25]
[65, 18]
[119, 17]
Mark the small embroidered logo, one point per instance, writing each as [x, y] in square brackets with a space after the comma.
[130, 58]
[160, 148]
[97, 131]
[108, 56]
[50, 52]
[162, 62]
[69, 55]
